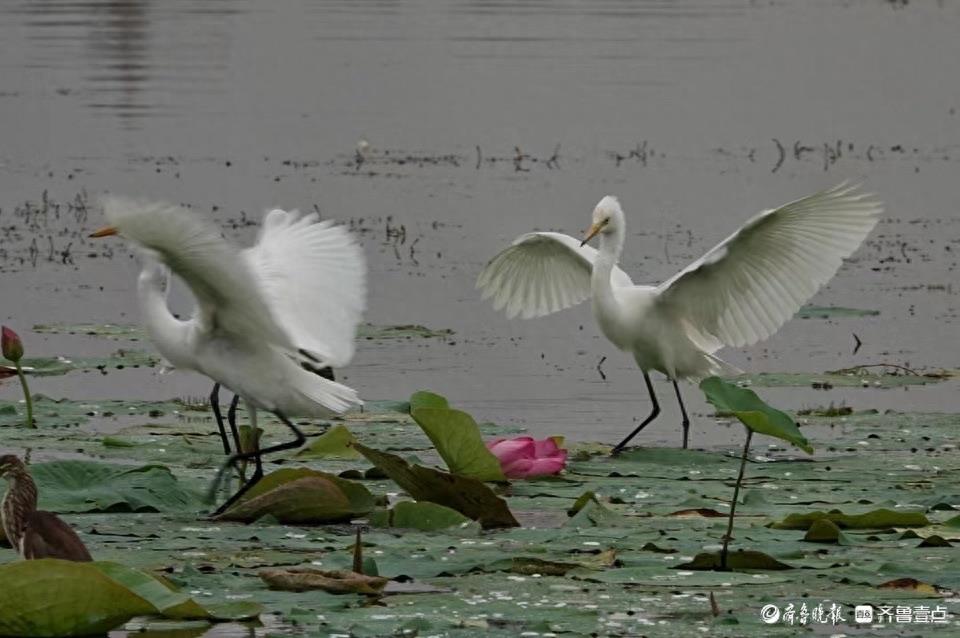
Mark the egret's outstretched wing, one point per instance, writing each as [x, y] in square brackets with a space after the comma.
[541, 273]
[313, 276]
[750, 284]
[227, 293]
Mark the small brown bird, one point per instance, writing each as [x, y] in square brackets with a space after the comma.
[32, 532]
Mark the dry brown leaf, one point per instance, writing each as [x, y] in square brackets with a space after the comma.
[705, 512]
[908, 583]
[340, 581]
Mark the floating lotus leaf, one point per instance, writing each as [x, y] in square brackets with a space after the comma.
[464, 494]
[876, 519]
[753, 412]
[335, 443]
[424, 516]
[302, 495]
[457, 439]
[88, 486]
[61, 598]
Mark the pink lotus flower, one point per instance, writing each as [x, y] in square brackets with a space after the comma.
[525, 457]
[11, 345]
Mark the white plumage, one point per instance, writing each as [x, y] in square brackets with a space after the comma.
[313, 278]
[263, 315]
[540, 274]
[740, 292]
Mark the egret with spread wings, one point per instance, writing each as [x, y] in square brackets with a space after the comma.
[267, 319]
[739, 293]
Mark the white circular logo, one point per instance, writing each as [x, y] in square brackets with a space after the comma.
[770, 614]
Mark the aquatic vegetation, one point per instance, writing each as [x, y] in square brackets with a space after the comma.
[456, 437]
[335, 582]
[12, 349]
[63, 598]
[424, 516]
[526, 457]
[133, 332]
[465, 494]
[757, 417]
[880, 377]
[301, 495]
[89, 486]
[830, 312]
[637, 533]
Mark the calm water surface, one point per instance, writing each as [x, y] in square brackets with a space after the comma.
[695, 113]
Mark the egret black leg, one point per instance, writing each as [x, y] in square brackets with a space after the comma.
[683, 411]
[235, 431]
[299, 440]
[254, 441]
[257, 475]
[653, 414]
[232, 419]
[215, 404]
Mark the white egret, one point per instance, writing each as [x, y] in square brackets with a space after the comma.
[267, 318]
[737, 294]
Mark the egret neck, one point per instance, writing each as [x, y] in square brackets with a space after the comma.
[169, 334]
[611, 245]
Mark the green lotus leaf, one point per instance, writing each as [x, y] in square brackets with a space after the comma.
[424, 516]
[457, 439]
[335, 443]
[425, 399]
[61, 598]
[302, 495]
[88, 486]
[467, 495]
[753, 412]
[876, 519]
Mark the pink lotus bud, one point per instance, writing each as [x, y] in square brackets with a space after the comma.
[547, 446]
[525, 457]
[11, 345]
[510, 450]
[526, 468]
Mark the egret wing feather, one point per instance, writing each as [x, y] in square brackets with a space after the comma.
[542, 273]
[227, 293]
[751, 283]
[312, 273]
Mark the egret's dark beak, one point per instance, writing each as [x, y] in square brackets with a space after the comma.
[592, 232]
[106, 231]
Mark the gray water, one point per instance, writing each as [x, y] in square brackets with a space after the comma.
[695, 113]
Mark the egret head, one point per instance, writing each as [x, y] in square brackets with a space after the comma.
[106, 231]
[607, 219]
[155, 273]
[11, 466]
[277, 218]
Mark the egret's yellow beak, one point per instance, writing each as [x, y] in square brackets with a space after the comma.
[106, 231]
[592, 232]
